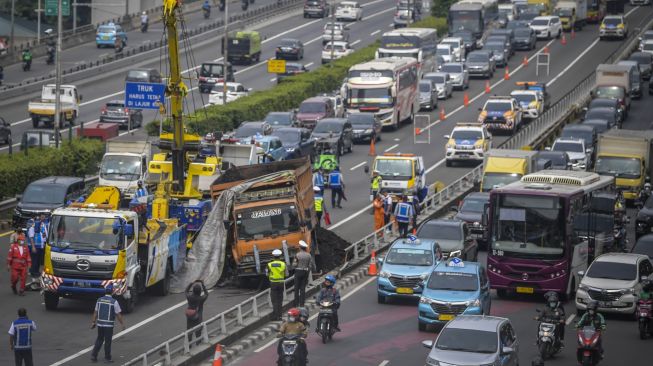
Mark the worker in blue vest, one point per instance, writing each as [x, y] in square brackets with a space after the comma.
[106, 311]
[37, 234]
[404, 214]
[318, 179]
[141, 191]
[20, 338]
[337, 186]
[277, 272]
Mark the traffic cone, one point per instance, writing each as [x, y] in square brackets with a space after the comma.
[506, 73]
[372, 270]
[525, 61]
[414, 231]
[217, 356]
[563, 40]
[372, 147]
[573, 33]
[466, 100]
[418, 131]
[443, 115]
[487, 87]
[546, 50]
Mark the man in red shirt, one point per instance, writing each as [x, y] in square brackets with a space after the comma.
[18, 261]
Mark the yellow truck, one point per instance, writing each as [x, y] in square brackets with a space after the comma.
[572, 14]
[503, 167]
[544, 6]
[401, 174]
[625, 155]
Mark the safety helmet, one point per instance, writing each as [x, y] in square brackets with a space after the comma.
[303, 244]
[647, 186]
[276, 253]
[551, 298]
[293, 315]
[317, 189]
[592, 305]
[330, 278]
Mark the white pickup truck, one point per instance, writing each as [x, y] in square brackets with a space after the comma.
[43, 108]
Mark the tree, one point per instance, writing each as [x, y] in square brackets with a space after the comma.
[440, 8]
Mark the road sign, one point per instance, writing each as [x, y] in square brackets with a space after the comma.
[144, 95]
[51, 8]
[277, 66]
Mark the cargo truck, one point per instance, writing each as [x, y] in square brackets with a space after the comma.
[244, 47]
[43, 108]
[503, 167]
[573, 14]
[544, 6]
[276, 211]
[626, 155]
[613, 81]
[125, 162]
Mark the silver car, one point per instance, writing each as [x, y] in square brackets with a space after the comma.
[442, 82]
[458, 73]
[475, 340]
[428, 95]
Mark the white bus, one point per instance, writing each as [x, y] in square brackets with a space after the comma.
[386, 87]
[418, 43]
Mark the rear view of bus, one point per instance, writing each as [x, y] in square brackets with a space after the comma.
[418, 43]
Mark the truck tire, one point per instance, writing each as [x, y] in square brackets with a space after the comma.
[51, 300]
[35, 122]
[163, 287]
[128, 305]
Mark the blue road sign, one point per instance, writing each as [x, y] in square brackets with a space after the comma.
[144, 95]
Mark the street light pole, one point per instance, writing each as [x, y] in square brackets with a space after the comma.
[57, 100]
[333, 30]
[13, 10]
[225, 60]
[38, 22]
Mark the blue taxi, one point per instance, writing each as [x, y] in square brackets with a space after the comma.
[454, 288]
[107, 33]
[403, 270]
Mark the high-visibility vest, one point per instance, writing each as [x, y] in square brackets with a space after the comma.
[335, 180]
[106, 314]
[375, 183]
[277, 271]
[404, 212]
[23, 333]
[141, 192]
[319, 200]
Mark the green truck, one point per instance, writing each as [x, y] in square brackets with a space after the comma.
[244, 47]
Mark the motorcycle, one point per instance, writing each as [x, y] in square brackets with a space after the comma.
[245, 5]
[548, 341]
[207, 13]
[645, 317]
[588, 353]
[51, 53]
[290, 348]
[620, 239]
[221, 5]
[325, 321]
[27, 65]
[144, 26]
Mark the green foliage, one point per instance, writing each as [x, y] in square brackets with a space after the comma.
[79, 158]
[431, 22]
[440, 8]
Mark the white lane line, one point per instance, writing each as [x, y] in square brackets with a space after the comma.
[385, 362]
[391, 25]
[358, 166]
[371, 3]
[375, 32]
[309, 64]
[397, 139]
[572, 63]
[392, 147]
[570, 319]
[349, 294]
[273, 80]
[355, 42]
[313, 40]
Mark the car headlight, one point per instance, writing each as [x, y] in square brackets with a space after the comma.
[425, 300]
[455, 253]
[247, 259]
[629, 291]
[369, 130]
[485, 67]
[475, 303]
[385, 115]
[478, 146]
[583, 287]
[451, 146]
[384, 274]
[477, 224]
[424, 276]
[432, 361]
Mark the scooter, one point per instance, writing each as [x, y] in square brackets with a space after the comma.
[588, 353]
[51, 53]
[207, 13]
[645, 317]
[620, 240]
[325, 321]
[245, 5]
[27, 65]
[290, 348]
[548, 341]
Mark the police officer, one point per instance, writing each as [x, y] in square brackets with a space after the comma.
[376, 183]
[141, 191]
[20, 338]
[318, 179]
[337, 186]
[106, 311]
[319, 204]
[404, 214]
[277, 273]
[36, 234]
[303, 264]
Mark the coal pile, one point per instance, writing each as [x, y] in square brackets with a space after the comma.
[330, 252]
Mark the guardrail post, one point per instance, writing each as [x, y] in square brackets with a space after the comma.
[186, 343]
[356, 251]
[205, 333]
[240, 309]
[255, 306]
[168, 360]
[223, 324]
[145, 359]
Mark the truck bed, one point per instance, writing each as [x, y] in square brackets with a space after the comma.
[46, 106]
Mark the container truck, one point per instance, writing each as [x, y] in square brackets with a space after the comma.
[503, 167]
[613, 81]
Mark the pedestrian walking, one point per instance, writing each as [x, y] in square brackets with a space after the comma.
[337, 185]
[404, 214]
[107, 309]
[20, 338]
[277, 273]
[320, 208]
[303, 265]
[18, 261]
[379, 213]
[196, 295]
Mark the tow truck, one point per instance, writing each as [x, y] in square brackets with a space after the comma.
[401, 174]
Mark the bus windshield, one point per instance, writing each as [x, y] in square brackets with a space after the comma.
[388, 53]
[400, 42]
[528, 226]
[370, 97]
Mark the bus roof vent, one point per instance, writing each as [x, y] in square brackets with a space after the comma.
[567, 177]
[539, 186]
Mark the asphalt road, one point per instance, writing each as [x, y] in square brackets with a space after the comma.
[157, 319]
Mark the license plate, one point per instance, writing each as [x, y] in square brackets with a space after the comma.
[82, 284]
[446, 317]
[105, 37]
[525, 290]
[606, 304]
[404, 290]
[326, 311]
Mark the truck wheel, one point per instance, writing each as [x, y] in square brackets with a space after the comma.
[51, 300]
[128, 305]
[421, 326]
[163, 287]
[35, 122]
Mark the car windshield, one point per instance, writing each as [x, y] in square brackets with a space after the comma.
[409, 257]
[477, 57]
[612, 270]
[648, 46]
[524, 98]
[540, 22]
[612, 21]
[85, 233]
[568, 146]
[453, 281]
[44, 194]
[336, 27]
[116, 105]
[498, 106]
[453, 69]
[212, 70]
[495, 46]
[467, 340]
[120, 167]
[137, 74]
[641, 59]
[522, 32]
[361, 119]
[566, 12]
[614, 92]
[494, 180]
[584, 135]
[278, 119]
[435, 230]
[557, 158]
[443, 51]
[619, 167]
[393, 169]
[599, 125]
[312, 107]
[288, 137]
[472, 135]
[106, 29]
[267, 221]
[438, 79]
[336, 47]
[424, 87]
[247, 131]
[528, 16]
[292, 68]
[600, 114]
[473, 205]
[287, 43]
[328, 126]
[453, 44]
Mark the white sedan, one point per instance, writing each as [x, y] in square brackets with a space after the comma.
[340, 49]
[234, 91]
[349, 10]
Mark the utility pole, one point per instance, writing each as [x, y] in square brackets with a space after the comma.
[225, 60]
[38, 22]
[11, 38]
[126, 8]
[74, 5]
[57, 100]
[333, 31]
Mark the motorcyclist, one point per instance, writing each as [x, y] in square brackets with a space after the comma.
[647, 289]
[330, 293]
[645, 193]
[206, 6]
[293, 326]
[554, 311]
[27, 57]
[593, 318]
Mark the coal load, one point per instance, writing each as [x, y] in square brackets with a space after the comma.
[330, 251]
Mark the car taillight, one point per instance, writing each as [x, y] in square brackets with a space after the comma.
[126, 110]
[103, 110]
[202, 78]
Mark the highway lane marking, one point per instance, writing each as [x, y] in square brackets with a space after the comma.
[573, 63]
[309, 64]
[357, 166]
[355, 42]
[313, 40]
[391, 25]
[570, 319]
[391, 147]
[385, 362]
[343, 298]
[375, 32]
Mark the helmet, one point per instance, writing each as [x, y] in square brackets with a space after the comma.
[592, 305]
[551, 298]
[330, 278]
[647, 186]
[293, 315]
[317, 189]
[109, 288]
[140, 182]
[303, 244]
[276, 253]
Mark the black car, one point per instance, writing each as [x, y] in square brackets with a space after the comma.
[335, 134]
[247, 130]
[559, 159]
[365, 126]
[291, 69]
[507, 43]
[144, 75]
[606, 113]
[5, 131]
[510, 33]
[644, 246]
[585, 132]
[644, 220]
[212, 73]
[45, 195]
[282, 119]
[115, 112]
[498, 52]
[525, 39]
[290, 49]
[470, 210]
[316, 8]
[468, 39]
[453, 237]
[297, 141]
[600, 125]
[645, 62]
[608, 103]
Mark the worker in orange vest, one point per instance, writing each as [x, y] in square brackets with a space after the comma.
[379, 213]
[18, 261]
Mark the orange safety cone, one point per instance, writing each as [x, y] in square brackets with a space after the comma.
[372, 147]
[372, 270]
[418, 131]
[573, 33]
[563, 40]
[487, 87]
[414, 231]
[443, 115]
[466, 100]
[217, 356]
[506, 73]
[546, 50]
[525, 61]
